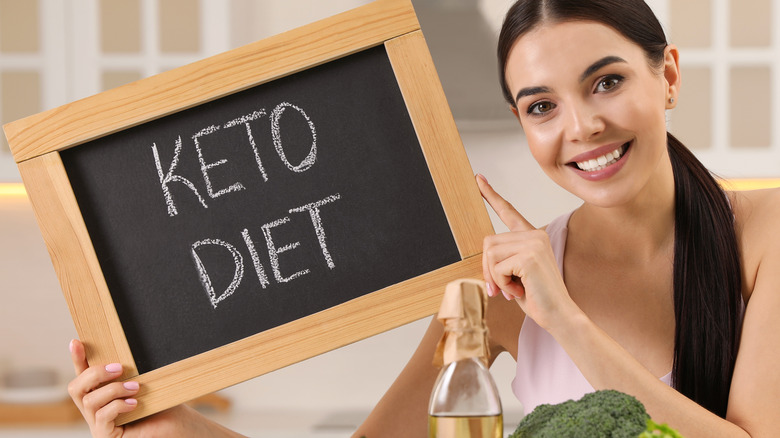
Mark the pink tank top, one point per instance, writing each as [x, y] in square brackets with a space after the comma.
[545, 372]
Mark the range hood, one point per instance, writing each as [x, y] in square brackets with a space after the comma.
[463, 46]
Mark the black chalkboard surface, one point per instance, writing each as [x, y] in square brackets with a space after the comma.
[259, 208]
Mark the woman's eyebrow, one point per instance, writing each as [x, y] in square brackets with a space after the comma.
[596, 66]
[529, 91]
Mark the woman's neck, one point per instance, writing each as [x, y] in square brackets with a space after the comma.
[641, 228]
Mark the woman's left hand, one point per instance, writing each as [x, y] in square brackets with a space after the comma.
[521, 264]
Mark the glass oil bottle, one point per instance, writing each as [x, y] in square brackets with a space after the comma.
[465, 402]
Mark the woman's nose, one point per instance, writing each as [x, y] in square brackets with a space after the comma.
[583, 123]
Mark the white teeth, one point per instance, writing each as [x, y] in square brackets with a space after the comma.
[603, 161]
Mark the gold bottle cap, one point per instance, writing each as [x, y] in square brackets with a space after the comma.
[462, 312]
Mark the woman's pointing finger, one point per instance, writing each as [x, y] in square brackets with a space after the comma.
[506, 212]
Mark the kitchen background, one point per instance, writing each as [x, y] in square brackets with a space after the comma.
[55, 51]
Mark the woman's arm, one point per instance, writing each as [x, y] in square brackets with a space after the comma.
[754, 400]
[607, 365]
[403, 410]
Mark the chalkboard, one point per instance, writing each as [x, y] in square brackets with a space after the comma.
[239, 214]
[260, 208]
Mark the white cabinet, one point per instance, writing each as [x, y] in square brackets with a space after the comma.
[56, 51]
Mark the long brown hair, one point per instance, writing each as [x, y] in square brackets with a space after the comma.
[707, 272]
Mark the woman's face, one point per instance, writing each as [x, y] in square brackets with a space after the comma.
[593, 109]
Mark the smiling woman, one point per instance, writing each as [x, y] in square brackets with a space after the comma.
[650, 286]
[644, 79]
[588, 119]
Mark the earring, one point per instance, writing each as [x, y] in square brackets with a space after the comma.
[671, 100]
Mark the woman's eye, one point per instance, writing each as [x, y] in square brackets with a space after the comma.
[541, 108]
[608, 83]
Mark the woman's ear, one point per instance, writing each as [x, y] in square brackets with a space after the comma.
[672, 75]
[517, 114]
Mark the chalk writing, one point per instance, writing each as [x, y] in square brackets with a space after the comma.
[170, 177]
[250, 245]
[205, 167]
[274, 251]
[167, 178]
[316, 220]
[275, 133]
[205, 280]
[245, 121]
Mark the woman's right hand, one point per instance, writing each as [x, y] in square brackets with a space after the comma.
[521, 264]
[100, 405]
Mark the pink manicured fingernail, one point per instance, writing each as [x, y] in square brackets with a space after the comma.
[507, 296]
[131, 386]
[114, 368]
[490, 291]
[482, 177]
[70, 346]
[131, 401]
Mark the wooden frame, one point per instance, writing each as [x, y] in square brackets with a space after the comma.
[37, 140]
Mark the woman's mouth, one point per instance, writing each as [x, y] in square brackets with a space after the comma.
[604, 161]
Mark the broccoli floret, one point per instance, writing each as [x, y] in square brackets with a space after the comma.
[655, 430]
[605, 413]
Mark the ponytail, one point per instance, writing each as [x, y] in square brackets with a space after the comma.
[707, 283]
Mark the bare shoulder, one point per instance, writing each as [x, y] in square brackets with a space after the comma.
[757, 215]
[756, 200]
